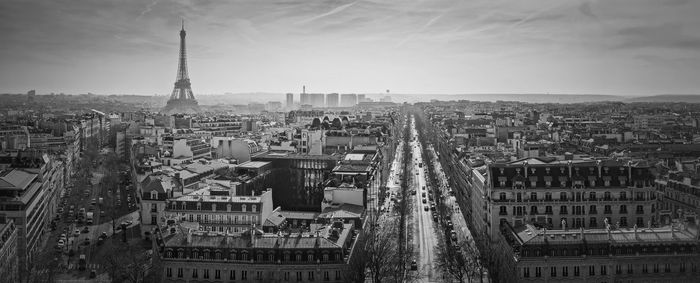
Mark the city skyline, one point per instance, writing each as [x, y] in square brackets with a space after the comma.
[446, 47]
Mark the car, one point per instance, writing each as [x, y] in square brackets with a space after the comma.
[128, 222]
[425, 208]
[102, 213]
[63, 236]
[414, 265]
[425, 201]
[449, 224]
[72, 207]
[432, 207]
[61, 243]
[76, 233]
[453, 235]
[103, 235]
[86, 230]
[86, 242]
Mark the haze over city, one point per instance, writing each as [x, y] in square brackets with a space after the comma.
[439, 47]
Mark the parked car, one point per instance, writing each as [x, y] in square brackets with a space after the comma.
[86, 230]
[414, 265]
[76, 233]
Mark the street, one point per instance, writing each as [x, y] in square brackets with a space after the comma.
[425, 237]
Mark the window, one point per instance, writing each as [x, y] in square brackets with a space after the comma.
[244, 275]
[526, 272]
[206, 274]
[607, 209]
[630, 269]
[553, 271]
[286, 276]
[243, 207]
[502, 196]
[640, 209]
[656, 268]
[254, 208]
[562, 196]
[667, 268]
[325, 257]
[618, 269]
[298, 276]
[645, 268]
[232, 275]
[533, 210]
[591, 196]
[640, 222]
[154, 219]
[180, 274]
[607, 195]
[258, 275]
[533, 196]
[591, 270]
[577, 271]
[562, 210]
[593, 209]
[310, 257]
[593, 222]
[154, 207]
[154, 195]
[565, 271]
[311, 276]
[503, 210]
[623, 221]
[548, 196]
[194, 273]
[682, 267]
[623, 209]
[326, 276]
[538, 271]
[169, 272]
[603, 270]
[337, 275]
[548, 210]
[623, 196]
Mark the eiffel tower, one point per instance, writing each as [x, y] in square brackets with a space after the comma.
[182, 99]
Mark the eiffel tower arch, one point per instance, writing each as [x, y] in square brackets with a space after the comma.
[182, 99]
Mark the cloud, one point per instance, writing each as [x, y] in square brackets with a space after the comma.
[668, 35]
[329, 13]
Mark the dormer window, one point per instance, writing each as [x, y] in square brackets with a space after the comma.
[243, 208]
[183, 205]
[546, 170]
[213, 207]
[502, 170]
[199, 206]
[532, 170]
[606, 170]
[154, 195]
[228, 207]
[561, 169]
[254, 208]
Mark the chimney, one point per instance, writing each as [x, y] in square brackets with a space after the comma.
[635, 231]
[189, 236]
[582, 233]
[568, 156]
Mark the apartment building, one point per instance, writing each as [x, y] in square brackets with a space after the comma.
[220, 210]
[23, 200]
[9, 266]
[570, 193]
[187, 255]
[610, 254]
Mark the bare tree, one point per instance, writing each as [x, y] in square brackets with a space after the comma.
[126, 263]
[459, 260]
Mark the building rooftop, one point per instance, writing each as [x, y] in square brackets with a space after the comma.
[16, 179]
[530, 235]
[253, 164]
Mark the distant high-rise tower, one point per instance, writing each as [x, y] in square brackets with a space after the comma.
[290, 100]
[348, 100]
[332, 100]
[304, 97]
[182, 99]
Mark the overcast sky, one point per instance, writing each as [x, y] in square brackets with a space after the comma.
[626, 47]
